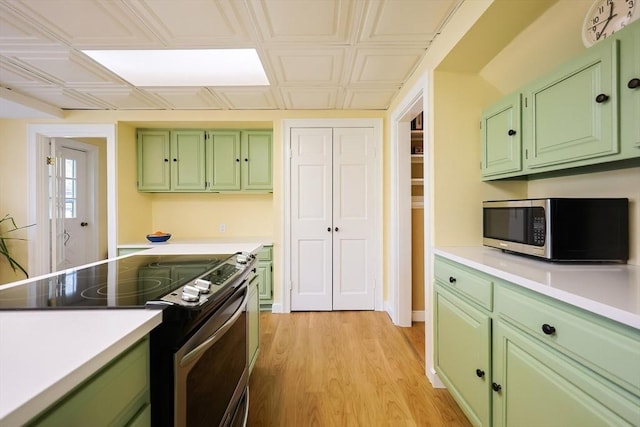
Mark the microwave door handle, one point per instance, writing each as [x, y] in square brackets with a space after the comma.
[206, 344]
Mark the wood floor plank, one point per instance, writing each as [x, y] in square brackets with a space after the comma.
[343, 369]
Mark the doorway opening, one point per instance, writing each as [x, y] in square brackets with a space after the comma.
[46, 236]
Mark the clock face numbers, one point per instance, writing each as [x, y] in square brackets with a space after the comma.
[606, 17]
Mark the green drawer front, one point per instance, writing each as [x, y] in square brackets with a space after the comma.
[114, 396]
[475, 286]
[610, 349]
[265, 253]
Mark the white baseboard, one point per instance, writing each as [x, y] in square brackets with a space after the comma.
[417, 316]
[434, 379]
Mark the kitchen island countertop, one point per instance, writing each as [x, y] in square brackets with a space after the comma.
[46, 353]
[609, 290]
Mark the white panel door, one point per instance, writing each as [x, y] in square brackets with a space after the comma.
[353, 218]
[311, 219]
[332, 219]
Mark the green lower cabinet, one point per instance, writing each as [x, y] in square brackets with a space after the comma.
[537, 386]
[462, 356]
[265, 274]
[529, 360]
[118, 395]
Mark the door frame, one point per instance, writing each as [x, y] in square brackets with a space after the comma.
[37, 136]
[92, 192]
[400, 258]
[284, 305]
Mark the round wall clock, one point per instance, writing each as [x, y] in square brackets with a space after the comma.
[605, 17]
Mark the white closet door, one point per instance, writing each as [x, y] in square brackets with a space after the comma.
[353, 218]
[311, 219]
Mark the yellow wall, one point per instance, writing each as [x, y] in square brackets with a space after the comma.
[13, 190]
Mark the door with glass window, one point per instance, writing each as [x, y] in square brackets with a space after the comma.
[70, 213]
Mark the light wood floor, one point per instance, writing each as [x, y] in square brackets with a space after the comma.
[343, 369]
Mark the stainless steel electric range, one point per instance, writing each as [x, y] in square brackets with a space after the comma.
[199, 364]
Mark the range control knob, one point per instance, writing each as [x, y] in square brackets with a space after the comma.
[190, 293]
[242, 258]
[204, 286]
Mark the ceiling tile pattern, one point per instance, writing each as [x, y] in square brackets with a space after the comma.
[318, 54]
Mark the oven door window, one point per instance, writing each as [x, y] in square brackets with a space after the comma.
[211, 368]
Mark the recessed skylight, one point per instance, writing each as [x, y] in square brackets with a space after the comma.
[191, 67]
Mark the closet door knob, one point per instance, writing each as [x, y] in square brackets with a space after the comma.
[633, 83]
[336, 228]
[602, 98]
[329, 229]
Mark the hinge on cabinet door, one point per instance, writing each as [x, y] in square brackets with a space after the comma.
[480, 124]
[526, 154]
[51, 161]
[272, 268]
[525, 101]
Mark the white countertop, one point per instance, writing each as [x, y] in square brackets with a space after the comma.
[609, 290]
[45, 354]
[237, 243]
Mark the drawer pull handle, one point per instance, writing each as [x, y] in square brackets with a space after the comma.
[496, 387]
[452, 279]
[548, 329]
[479, 373]
[633, 84]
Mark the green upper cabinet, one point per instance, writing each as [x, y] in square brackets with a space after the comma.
[187, 160]
[502, 138]
[223, 155]
[629, 40]
[571, 115]
[193, 160]
[256, 169]
[153, 160]
[171, 160]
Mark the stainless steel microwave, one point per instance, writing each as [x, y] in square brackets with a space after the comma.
[560, 229]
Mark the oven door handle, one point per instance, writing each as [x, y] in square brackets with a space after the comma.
[193, 354]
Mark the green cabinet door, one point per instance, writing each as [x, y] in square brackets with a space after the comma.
[153, 160]
[536, 386]
[117, 395]
[630, 89]
[265, 274]
[462, 354]
[256, 160]
[502, 138]
[187, 160]
[223, 159]
[570, 115]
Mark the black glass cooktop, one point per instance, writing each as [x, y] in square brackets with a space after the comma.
[125, 282]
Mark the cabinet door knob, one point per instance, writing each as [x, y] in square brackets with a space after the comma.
[511, 132]
[479, 373]
[633, 83]
[602, 98]
[452, 279]
[496, 387]
[175, 160]
[166, 160]
[237, 160]
[548, 329]
[246, 160]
